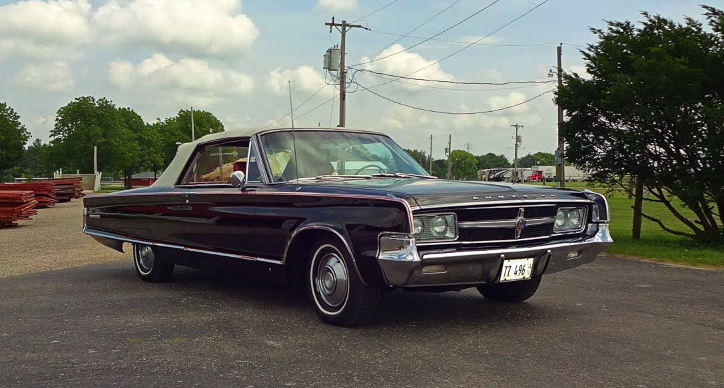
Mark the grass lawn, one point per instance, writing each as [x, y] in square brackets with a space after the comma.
[655, 243]
[110, 189]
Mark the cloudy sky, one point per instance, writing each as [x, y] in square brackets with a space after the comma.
[235, 59]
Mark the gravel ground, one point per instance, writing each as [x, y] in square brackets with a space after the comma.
[53, 239]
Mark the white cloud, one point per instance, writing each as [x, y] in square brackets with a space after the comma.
[200, 28]
[304, 79]
[54, 77]
[512, 98]
[37, 29]
[337, 5]
[404, 63]
[187, 80]
[41, 120]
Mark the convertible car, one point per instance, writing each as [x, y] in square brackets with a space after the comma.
[349, 215]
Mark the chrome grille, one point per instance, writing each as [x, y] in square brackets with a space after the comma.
[498, 223]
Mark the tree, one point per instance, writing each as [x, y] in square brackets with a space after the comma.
[86, 122]
[421, 157]
[34, 163]
[545, 158]
[653, 109]
[178, 130]
[464, 165]
[527, 161]
[490, 160]
[13, 137]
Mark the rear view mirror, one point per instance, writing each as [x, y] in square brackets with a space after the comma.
[237, 179]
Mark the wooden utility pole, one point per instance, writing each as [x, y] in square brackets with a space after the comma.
[342, 71]
[430, 171]
[193, 135]
[561, 168]
[449, 157]
[515, 159]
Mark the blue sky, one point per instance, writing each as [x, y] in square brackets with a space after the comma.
[234, 59]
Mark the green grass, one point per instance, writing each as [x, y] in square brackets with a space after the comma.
[654, 243]
[110, 189]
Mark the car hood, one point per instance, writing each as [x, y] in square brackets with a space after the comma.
[435, 192]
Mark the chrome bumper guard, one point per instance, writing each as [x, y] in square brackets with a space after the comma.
[404, 266]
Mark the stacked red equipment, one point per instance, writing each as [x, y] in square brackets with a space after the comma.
[16, 206]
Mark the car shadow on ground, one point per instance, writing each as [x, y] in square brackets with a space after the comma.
[399, 307]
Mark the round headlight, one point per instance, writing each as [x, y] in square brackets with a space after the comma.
[417, 227]
[439, 226]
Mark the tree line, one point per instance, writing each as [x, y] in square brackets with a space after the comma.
[126, 144]
[466, 165]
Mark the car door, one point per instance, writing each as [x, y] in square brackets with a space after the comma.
[220, 218]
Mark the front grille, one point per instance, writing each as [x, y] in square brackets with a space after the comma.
[504, 213]
[496, 224]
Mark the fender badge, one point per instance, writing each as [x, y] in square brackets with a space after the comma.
[475, 198]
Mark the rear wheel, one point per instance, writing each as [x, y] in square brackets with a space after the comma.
[513, 292]
[148, 266]
[336, 288]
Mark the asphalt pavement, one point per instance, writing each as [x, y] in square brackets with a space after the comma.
[616, 322]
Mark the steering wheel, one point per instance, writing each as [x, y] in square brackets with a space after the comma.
[369, 165]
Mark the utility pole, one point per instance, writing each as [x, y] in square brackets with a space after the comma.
[449, 157]
[561, 167]
[430, 170]
[468, 146]
[342, 71]
[515, 160]
[193, 135]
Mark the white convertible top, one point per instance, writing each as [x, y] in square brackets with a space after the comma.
[171, 173]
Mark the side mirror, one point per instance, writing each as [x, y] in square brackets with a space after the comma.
[237, 179]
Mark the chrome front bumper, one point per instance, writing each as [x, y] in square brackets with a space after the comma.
[403, 266]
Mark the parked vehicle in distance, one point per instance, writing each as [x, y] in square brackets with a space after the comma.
[348, 214]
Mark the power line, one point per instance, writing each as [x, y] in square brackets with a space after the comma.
[315, 108]
[434, 36]
[377, 10]
[454, 113]
[467, 46]
[414, 29]
[454, 82]
[466, 89]
[298, 106]
[477, 44]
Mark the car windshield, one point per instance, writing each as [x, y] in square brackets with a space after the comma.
[335, 153]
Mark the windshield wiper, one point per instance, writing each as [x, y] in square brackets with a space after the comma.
[402, 175]
[334, 177]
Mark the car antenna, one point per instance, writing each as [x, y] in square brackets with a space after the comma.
[294, 139]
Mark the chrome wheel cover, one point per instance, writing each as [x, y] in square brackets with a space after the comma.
[332, 280]
[144, 258]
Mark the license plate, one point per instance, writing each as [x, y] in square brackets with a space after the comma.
[516, 269]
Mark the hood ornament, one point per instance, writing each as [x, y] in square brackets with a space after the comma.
[520, 223]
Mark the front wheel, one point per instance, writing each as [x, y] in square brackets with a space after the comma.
[336, 288]
[148, 266]
[513, 292]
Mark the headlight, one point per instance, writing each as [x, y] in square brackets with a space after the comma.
[434, 227]
[570, 219]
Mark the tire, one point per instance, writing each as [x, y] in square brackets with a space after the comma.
[513, 292]
[148, 266]
[338, 302]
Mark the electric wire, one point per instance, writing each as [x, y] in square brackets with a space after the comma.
[455, 113]
[434, 36]
[467, 46]
[312, 110]
[414, 29]
[298, 106]
[470, 89]
[453, 82]
[477, 44]
[377, 10]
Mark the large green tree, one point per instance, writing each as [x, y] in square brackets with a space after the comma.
[86, 122]
[491, 160]
[13, 137]
[464, 165]
[177, 129]
[420, 156]
[653, 109]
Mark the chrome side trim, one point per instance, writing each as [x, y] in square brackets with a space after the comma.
[122, 238]
[505, 223]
